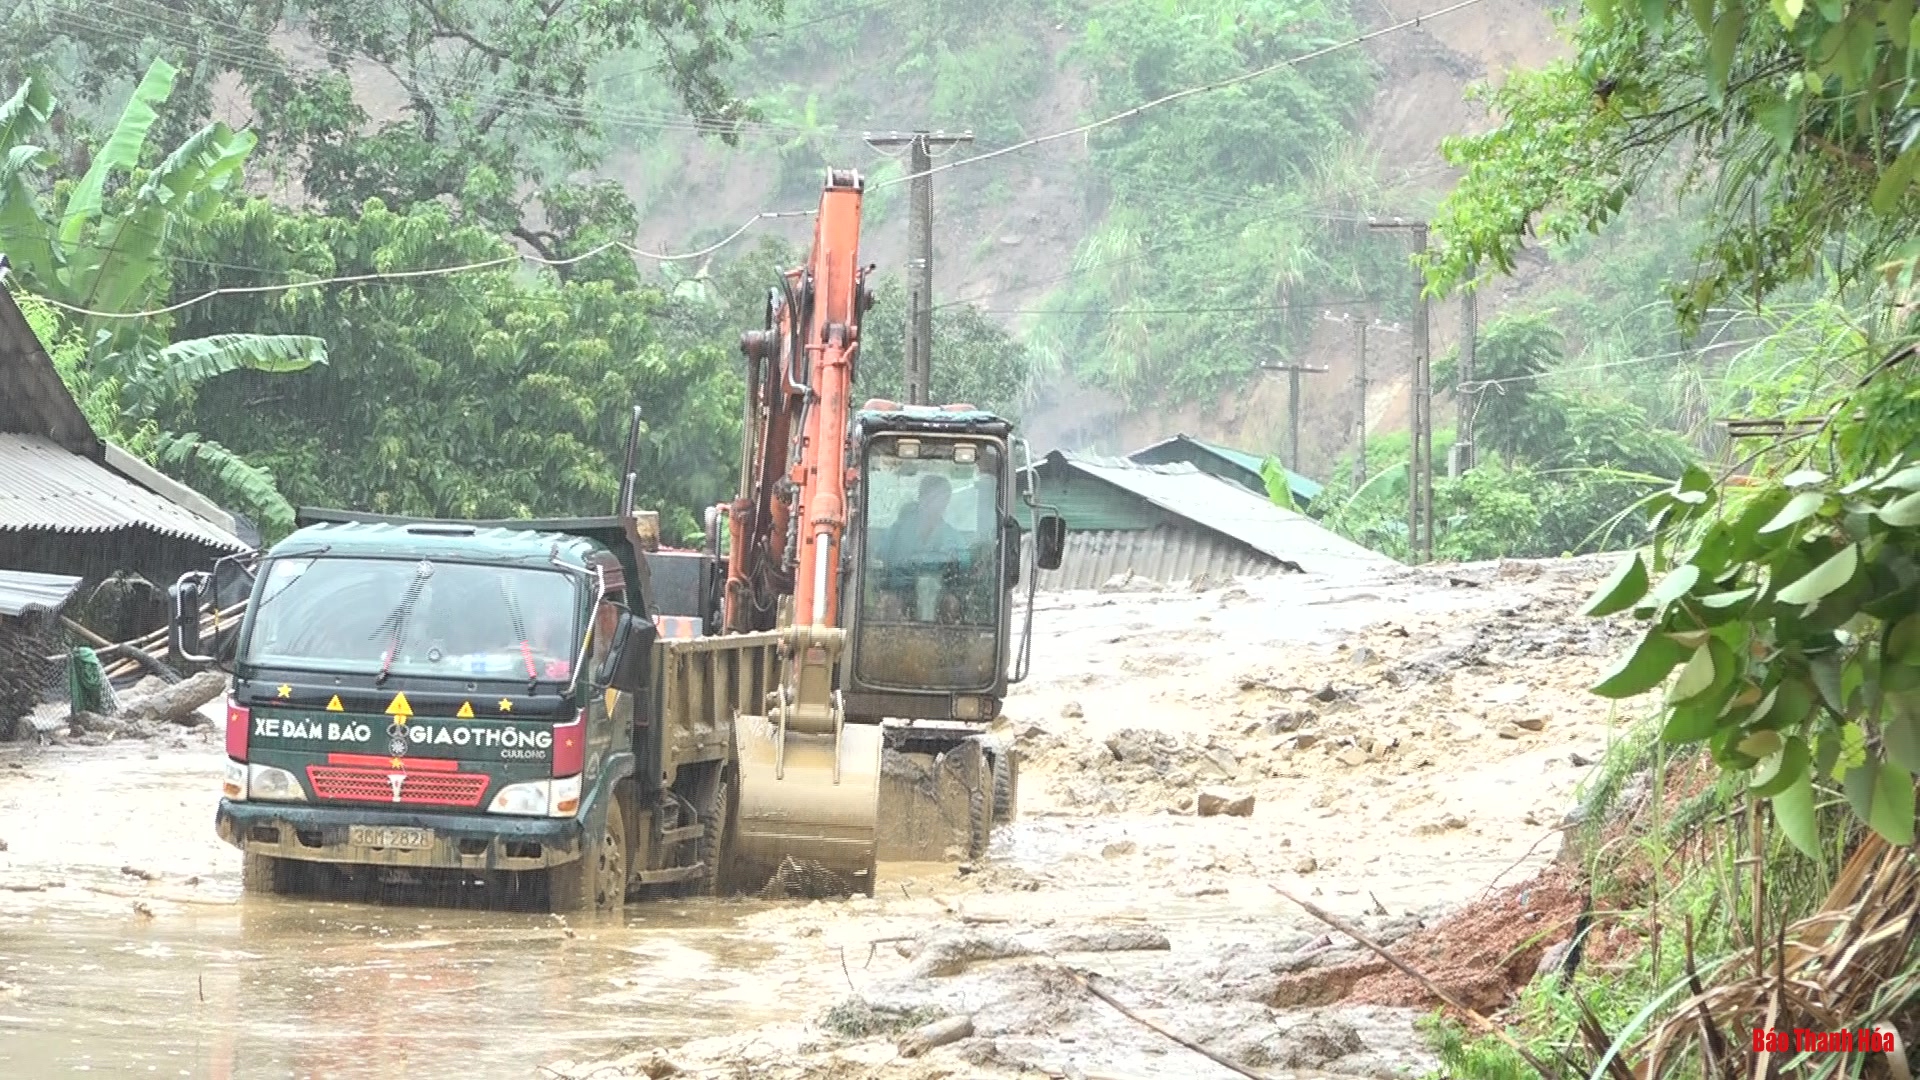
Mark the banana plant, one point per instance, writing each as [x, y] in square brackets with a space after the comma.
[100, 255]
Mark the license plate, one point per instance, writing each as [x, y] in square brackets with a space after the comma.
[386, 836]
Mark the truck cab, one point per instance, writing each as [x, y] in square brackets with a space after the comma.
[416, 695]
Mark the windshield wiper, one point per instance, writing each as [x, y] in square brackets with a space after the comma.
[311, 553]
[398, 619]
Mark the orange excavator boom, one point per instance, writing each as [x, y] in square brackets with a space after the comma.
[789, 522]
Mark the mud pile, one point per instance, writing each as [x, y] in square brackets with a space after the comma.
[1410, 746]
[1403, 693]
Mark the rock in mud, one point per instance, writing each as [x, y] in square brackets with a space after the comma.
[1531, 723]
[1229, 804]
[1140, 746]
[951, 954]
[1072, 711]
[938, 1033]
[1222, 759]
[1119, 848]
[1286, 720]
[1448, 823]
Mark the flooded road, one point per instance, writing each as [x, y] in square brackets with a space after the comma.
[130, 951]
[1404, 743]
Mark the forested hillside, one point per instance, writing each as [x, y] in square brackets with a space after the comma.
[629, 174]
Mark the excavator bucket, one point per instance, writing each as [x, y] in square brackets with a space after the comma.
[808, 804]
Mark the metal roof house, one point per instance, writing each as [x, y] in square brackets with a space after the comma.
[1236, 466]
[73, 504]
[1175, 522]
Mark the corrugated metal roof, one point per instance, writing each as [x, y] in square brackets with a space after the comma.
[43, 486]
[22, 591]
[1231, 510]
[1174, 554]
[1182, 448]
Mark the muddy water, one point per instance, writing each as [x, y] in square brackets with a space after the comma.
[176, 973]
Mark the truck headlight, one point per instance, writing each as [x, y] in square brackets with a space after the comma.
[279, 785]
[528, 798]
[234, 784]
[566, 796]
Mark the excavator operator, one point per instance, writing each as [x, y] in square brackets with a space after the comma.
[921, 542]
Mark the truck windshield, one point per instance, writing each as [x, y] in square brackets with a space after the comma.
[419, 618]
[931, 593]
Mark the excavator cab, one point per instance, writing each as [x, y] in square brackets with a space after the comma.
[935, 552]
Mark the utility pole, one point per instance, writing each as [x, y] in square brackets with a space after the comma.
[1466, 395]
[1294, 371]
[1420, 472]
[1360, 327]
[919, 336]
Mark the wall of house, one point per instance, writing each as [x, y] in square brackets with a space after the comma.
[148, 562]
[1173, 555]
[1089, 505]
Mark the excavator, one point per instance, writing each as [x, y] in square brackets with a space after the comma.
[879, 543]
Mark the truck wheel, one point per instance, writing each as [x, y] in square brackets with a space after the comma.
[265, 874]
[1006, 786]
[980, 822]
[712, 848]
[597, 880]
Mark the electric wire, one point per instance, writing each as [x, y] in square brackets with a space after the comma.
[402, 275]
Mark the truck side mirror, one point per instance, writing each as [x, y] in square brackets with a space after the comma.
[185, 595]
[630, 659]
[1049, 541]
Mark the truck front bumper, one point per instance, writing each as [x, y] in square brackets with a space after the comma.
[459, 841]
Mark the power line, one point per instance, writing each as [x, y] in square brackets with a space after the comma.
[1355, 302]
[1190, 91]
[1678, 354]
[400, 275]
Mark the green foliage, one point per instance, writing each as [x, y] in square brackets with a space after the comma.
[1559, 472]
[1216, 242]
[104, 251]
[1797, 122]
[855, 1018]
[1792, 615]
[500, 105]
[975, 360]
[485, 394]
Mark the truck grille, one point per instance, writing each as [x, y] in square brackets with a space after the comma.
[366, 785]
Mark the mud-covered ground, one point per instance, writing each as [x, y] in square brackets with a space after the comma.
[1410, 741]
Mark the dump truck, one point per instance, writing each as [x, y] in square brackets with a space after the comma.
[562, 702]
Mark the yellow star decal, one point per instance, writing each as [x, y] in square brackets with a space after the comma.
[506, 705]
[283, 691]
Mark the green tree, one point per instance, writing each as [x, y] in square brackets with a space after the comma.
[974, 359]
[496, 393]
[499, 103]
[101, 253]
[1799, 123]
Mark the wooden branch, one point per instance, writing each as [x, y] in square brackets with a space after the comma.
[450, 29]
[1086, 983]
[1431, 987]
